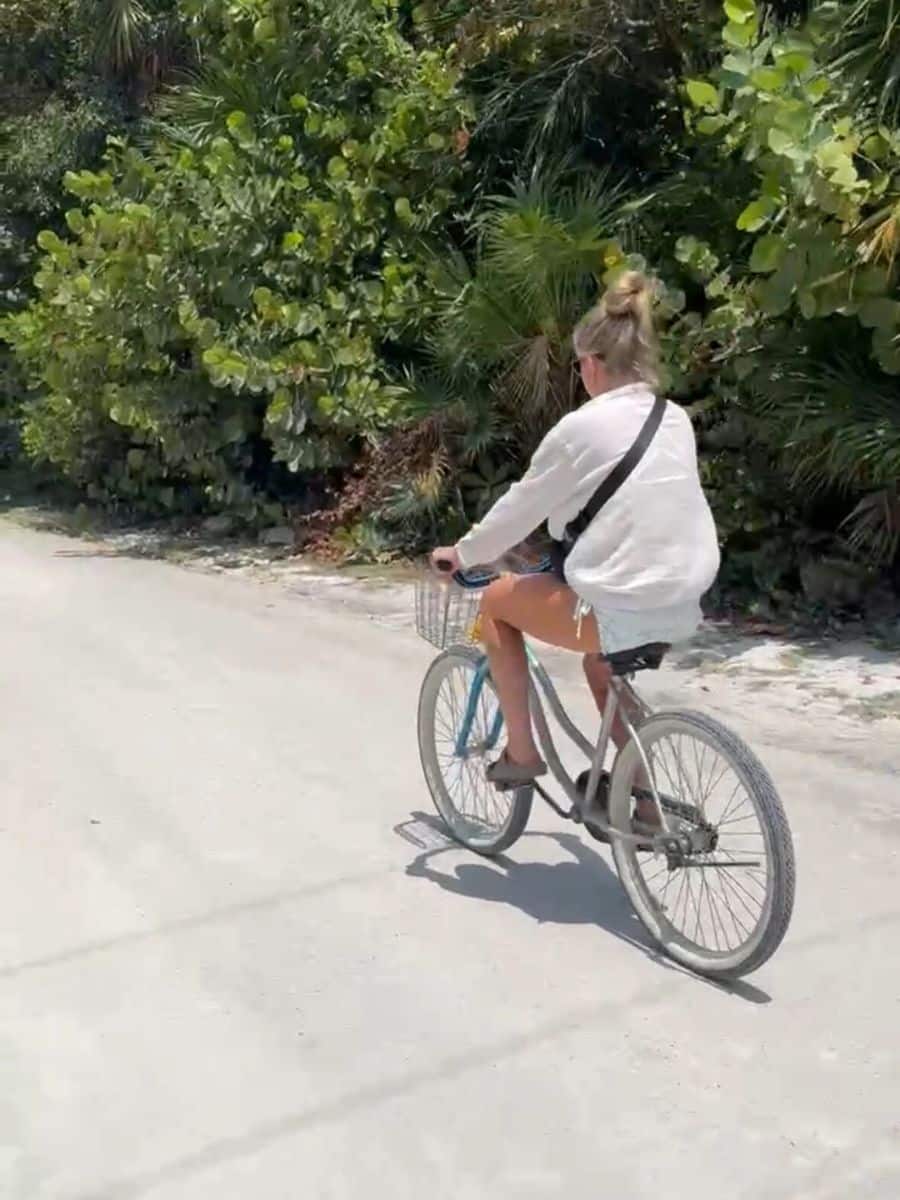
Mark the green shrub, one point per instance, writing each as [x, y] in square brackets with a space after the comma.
[238, 291]
[42, 146]
[813, 284]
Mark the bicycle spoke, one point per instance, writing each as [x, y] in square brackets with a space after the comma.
[712, 780]
[708, 901]
[656, 874]
[713, 914]
[706, 789]
[665, 890]
[749, 872]
[681, 891]
[736, 896]
[730, 884]
[735, 820]
[706, 928]
[730, 804]
[696, 910]
[673, 786]
[685, 792]
[699, 762]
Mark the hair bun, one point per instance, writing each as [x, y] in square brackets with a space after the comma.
[628, 295]
[619, 330]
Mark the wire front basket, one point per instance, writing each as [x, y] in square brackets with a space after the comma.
[446, 614]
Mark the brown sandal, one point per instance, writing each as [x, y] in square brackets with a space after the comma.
[506, 775]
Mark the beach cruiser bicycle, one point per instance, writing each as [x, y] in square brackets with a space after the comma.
[712, 882]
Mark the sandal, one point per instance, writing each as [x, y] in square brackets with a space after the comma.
[506, 775]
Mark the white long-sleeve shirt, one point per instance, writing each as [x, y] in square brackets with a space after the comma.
[653, 546]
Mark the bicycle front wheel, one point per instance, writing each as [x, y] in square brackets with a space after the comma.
[476, 814]
[719, 900]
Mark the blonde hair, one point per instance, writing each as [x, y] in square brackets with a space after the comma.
[619, 330]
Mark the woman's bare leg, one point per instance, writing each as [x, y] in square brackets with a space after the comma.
[598, 675]
[509, 670]
[544, 608]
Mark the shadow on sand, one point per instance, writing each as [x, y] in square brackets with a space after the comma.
[581, 891]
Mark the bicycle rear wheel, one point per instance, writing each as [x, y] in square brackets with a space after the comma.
[722, 905]
[476, 814]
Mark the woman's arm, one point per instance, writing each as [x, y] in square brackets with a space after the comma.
[549, 480]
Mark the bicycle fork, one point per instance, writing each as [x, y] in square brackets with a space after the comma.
[463, 749]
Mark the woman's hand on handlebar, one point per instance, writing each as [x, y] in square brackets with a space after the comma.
[446, 560]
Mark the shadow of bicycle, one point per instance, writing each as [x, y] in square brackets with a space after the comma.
[584, 890]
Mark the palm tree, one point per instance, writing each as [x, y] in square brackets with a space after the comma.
[510, 320]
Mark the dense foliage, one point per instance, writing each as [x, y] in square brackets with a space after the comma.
[231, 297]
[72, 73]
[815, 320]
[338, 250]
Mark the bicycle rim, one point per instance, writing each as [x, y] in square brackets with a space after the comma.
[722, 910]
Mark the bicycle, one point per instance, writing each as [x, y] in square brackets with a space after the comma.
[703, 842]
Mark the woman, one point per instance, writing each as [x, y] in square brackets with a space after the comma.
[638, 571]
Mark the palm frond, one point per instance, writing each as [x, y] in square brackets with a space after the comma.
[547, 246]
[841, 421]
[419, 495]
[540, 262]
[485, 323]
[120, 27]
[874, 525]
[483, 429]
[559, 72]
[882, 242]
[529, 377]
[458, 413]
[428, 395]
[542, 252]
[867, 46]
[449, 270]
[839, 427]
[199, 107]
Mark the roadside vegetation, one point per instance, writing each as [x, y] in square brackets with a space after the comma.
[291, 262]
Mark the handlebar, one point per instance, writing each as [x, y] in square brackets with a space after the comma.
[482, 577]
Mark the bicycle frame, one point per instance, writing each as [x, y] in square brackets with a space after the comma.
[621, 698]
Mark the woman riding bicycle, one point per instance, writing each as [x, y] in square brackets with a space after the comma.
[637, 572]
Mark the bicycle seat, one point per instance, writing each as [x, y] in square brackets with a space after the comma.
[642, 658]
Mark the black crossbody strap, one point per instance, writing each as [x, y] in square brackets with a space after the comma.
[619, 473]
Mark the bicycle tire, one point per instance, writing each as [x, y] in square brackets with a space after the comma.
[472, 833]
[775, 831]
